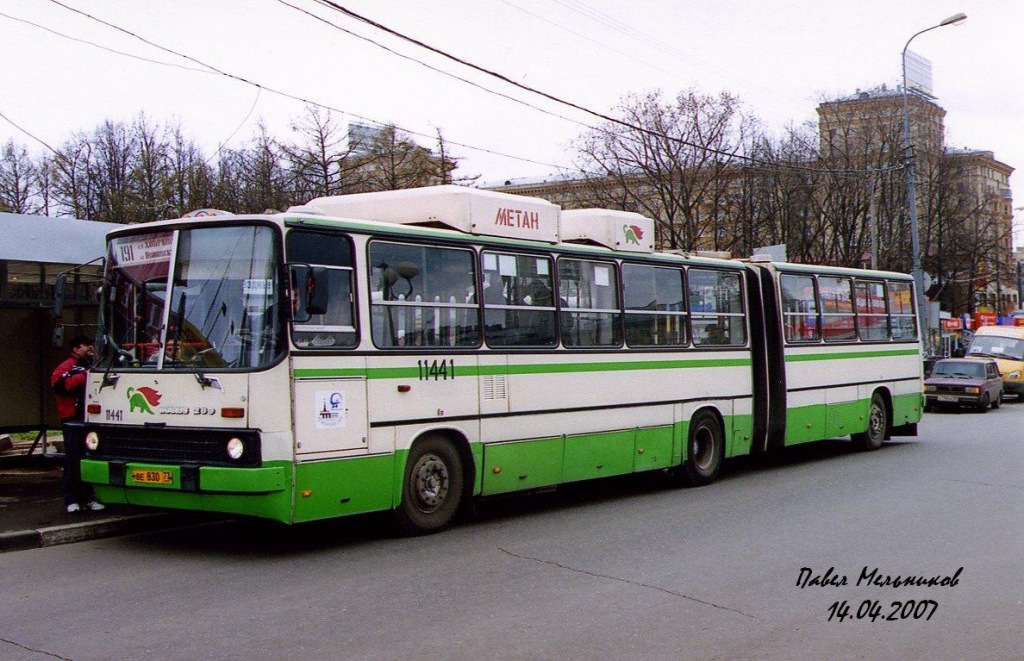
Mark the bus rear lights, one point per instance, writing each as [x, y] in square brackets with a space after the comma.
[306, 493]
[94, 409]
[404, 388]
[232, 412]
[92, 441]
[236, 448]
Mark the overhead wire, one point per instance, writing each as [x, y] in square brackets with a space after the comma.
[556, 99]
[336, 7]
[277, 92]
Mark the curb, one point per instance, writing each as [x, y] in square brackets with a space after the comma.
[21, 540]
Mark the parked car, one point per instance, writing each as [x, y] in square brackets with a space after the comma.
[964, 382]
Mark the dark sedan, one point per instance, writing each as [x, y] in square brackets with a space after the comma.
[964, 382]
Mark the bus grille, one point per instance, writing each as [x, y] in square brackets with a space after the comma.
[174, 445]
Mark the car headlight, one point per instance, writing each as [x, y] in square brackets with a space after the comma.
[236, 448]
[929, 388]
[973, 390]
[92, 441]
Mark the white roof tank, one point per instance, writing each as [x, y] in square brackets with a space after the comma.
[466, 209]
[618, 230]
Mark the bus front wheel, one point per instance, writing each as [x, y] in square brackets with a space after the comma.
[878, 425]
[432, 488]
[704, 450]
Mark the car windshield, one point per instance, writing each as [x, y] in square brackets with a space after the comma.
[959, 368]
[223, 291]
[1009, 348]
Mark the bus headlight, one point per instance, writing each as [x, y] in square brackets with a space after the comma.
[92, 441]
[236, 448]
[1013, 376]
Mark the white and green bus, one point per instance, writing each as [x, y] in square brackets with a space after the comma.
[414, 350]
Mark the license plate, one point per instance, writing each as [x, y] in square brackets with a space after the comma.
[948, 398]
[152, 477]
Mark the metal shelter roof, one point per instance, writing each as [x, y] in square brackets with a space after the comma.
[51, 240]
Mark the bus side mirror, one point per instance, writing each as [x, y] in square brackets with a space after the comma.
[60, 294]
[317, 291]
[310, 291]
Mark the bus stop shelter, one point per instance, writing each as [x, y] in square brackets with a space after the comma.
[33, 250]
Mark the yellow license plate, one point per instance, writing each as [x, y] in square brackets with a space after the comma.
[152, 477]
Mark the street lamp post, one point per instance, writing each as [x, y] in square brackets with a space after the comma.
[908, 164]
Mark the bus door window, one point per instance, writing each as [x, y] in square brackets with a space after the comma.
[901, 311]
[716, 307]
[837, 319]
[336, 328]
[872, 320]
[799, 308]
[519, 308]
[590, 314]
[655, 314]
[422, 296]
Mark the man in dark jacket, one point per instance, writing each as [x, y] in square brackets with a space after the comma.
[68, 382]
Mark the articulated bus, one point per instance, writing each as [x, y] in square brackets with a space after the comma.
[413, 350]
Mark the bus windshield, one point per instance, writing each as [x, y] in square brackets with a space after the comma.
[997, 346]
[193, 298]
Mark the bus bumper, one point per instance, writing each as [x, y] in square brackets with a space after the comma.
[264, 492]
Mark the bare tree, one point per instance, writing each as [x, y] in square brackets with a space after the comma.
[17, 179]
[668, 160]
[320, 160]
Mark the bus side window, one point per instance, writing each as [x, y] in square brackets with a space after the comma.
[799, 308]
[519, 307]
[589, 297]
[655, 315]
[422, 296]
[837, 320]
[901, 311]
[716, 308]
[872, 320]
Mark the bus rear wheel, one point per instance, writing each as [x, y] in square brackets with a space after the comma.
[878, 426]
[704, 451]
[432, 488]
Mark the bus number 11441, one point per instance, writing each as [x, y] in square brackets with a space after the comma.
[438, 370]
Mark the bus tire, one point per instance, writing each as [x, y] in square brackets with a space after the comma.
[705, 449]
[432, 487]
[878, 425]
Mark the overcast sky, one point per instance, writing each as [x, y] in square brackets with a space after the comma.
[780, 57]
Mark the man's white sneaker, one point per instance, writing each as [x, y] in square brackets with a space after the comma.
[73, 507]
[94, 506]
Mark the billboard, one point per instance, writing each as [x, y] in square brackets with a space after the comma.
[918, 72]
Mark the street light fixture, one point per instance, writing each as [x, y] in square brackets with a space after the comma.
[908, 164]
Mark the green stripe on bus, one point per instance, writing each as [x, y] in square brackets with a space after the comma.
[536, 368]
[851, 354]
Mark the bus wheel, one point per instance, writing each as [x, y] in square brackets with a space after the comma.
[878, 425]
[704, 450]
[432, 488]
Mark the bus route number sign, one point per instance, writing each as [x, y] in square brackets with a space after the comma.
[436, 370]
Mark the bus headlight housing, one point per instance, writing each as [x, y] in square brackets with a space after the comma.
[92, 441]
[236, 448]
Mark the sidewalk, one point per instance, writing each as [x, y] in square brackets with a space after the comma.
[32, 513]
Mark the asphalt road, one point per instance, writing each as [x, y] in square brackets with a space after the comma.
[607, 570]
